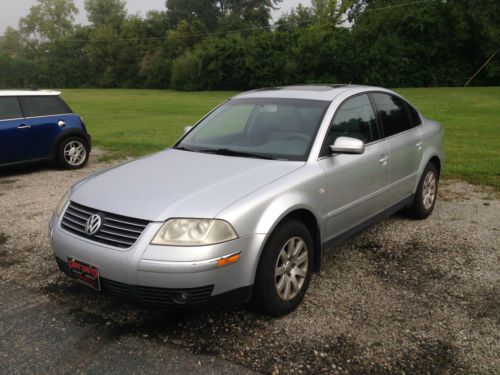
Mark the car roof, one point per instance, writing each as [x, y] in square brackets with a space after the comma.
[29, 93]
[314, 92]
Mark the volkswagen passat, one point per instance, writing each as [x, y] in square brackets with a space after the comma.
[245, 203]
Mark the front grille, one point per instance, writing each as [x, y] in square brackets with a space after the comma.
[116, 230]
[115, 288]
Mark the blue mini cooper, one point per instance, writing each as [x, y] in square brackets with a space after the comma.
[39, 125]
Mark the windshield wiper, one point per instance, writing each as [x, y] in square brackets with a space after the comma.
[185, 148]
[229, 152]
[225, 151]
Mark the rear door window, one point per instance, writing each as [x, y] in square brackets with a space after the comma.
[44, 106]
[9, 108]
[392, 113]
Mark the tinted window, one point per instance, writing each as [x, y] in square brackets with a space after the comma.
[355, 118]
[44, 105]
[414, 116]
[9, 108]
[392, 114]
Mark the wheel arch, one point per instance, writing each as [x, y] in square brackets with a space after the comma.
[309, 219]
[431, 157]
[437, 163]
[66, 134]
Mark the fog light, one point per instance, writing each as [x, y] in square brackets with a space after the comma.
[181, 298]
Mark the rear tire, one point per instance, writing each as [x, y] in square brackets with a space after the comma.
[284, 270]
[426, 194]
[73, 153]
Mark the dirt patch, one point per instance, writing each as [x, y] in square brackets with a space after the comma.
[4, 261]
[405, 296]
[7, 181]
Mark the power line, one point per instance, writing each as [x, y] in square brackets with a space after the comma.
[397, 5]
[234, 31]
[481, 68]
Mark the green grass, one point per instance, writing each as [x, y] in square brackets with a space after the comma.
[471, 120]
[137, 122]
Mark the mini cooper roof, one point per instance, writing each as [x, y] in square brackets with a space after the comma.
[29, 93]
[313, 92]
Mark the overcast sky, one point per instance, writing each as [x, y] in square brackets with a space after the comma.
[12, 10]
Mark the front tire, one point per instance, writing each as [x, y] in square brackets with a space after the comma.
[284, 270]
[73, 153]
[426, 194]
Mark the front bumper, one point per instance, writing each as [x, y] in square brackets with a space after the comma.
[161, 275]
[168, 297]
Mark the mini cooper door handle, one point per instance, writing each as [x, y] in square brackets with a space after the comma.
[61, 123]
[24, 126]
[419, 145]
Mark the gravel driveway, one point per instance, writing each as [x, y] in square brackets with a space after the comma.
[404, 296]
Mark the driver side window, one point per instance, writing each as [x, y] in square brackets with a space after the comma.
[356, 119]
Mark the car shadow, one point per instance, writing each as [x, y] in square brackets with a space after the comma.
[14, 171]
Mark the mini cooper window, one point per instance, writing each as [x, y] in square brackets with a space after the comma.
[392, 114]
[9, 108]
[267, 128]
[44, 106]
[355, 118]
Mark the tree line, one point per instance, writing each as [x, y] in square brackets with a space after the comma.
[231, 44]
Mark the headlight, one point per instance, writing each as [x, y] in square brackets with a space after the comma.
[62, 203]
[194, 232]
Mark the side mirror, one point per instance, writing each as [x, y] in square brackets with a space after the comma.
[187, 129]
[348, 145]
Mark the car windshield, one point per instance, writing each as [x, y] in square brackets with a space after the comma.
[262, 128]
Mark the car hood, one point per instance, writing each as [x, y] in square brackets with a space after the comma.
[176, 183]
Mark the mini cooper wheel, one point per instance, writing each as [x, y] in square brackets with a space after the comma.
[426, 194]
[73, 153]
[284, 270]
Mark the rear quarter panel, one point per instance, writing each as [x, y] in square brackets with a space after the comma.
[432, 138]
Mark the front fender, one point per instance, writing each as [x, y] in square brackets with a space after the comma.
[262, 211]
[280, 208]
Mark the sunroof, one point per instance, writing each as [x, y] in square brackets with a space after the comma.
[312, 87]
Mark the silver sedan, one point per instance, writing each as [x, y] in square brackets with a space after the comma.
[242, 207]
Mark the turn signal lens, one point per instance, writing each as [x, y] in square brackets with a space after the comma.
[231, 259]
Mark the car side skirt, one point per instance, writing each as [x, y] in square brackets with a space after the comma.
[23, 162]
[336, 241]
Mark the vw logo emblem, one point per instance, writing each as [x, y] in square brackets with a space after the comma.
[93, 224]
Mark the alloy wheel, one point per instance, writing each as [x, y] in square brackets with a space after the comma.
[291, 268]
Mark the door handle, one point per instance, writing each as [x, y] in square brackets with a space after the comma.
[61, 123]
[419, 145]
[383, 160]
[24, 126]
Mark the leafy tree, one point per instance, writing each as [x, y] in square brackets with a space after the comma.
[201, 11]
[12, 42]
[251, 12]
[155, 69]
[156, 23]
[185, 36]
[300, 17]
[49, 20]
[331, 11]
[106, 12]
